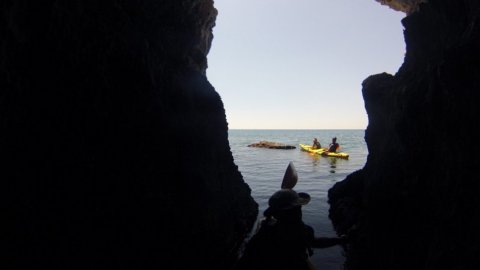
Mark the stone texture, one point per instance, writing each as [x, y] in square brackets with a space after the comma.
[407, 6]
[271, 145]
[113, 144]
[415, 204]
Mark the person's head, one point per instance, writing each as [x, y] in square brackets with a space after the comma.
[286, 204]
[334, 139]
[315, 139]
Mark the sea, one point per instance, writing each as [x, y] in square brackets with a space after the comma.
[263, 170]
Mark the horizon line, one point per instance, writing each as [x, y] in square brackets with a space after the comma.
[296, 129]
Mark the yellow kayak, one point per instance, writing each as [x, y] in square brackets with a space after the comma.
[323, 152]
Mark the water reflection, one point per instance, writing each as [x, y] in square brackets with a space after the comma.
[315, 159]
[333, 164]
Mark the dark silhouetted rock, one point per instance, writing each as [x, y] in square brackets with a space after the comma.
[271, 145]
[416, 203]
[113, 144]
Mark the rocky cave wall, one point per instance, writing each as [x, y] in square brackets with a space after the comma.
[416, 203]
[407, 6]
[113, 144]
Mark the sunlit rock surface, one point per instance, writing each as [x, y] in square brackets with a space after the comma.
[416, 203]
[113, 144]
[271, 145]
[407, 6]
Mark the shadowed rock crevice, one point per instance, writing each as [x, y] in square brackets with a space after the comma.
[416, 199]
[113, 143]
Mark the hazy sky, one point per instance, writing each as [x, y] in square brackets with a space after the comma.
[299, 64]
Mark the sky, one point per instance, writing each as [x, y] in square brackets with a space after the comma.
[299, 64]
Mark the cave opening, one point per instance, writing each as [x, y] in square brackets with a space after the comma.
[288, 71]
[115, 148]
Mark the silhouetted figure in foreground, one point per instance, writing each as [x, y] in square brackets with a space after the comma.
[283, 241]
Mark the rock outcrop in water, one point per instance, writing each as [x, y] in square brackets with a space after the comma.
[271, 145]
[113, 144]
[416, 202]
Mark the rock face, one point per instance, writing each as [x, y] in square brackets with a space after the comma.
[407, 6]
[415, 203]
[113, 144]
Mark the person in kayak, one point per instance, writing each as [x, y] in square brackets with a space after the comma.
[316, 144]
[333, 146]
[283, 241]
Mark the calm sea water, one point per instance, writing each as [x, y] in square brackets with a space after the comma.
[263, 171]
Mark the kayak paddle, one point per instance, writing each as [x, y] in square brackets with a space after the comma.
[290, 178]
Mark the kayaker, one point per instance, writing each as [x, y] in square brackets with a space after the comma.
[283, 241]
[333, 146]
[316, 144]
